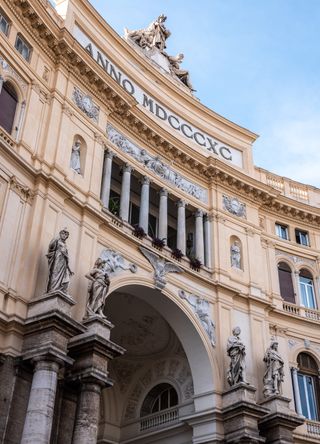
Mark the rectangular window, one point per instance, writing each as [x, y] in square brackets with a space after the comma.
[307, 292]
[282, 231]
[4, 23]
[23, 47]
[302, 237]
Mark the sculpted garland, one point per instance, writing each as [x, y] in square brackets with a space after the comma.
[156, 165]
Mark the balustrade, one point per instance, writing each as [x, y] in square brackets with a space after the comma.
[159, 419]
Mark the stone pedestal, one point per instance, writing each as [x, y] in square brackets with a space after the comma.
[277, 426]
[48, 329]
[241, 415]
[91, 352]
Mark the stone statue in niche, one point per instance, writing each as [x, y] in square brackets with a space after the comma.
[98, 287]
[235, 255]
[58, 262]
[75, 157]
[154, 36]
[182, 74]
[273, 376]
[236, 351]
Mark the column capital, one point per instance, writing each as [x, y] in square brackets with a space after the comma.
[198, 213]
[42, 363]
[145, 180]
[127, 168]
[163, 192]
[181, 203]
[208, 217]
[109, 154]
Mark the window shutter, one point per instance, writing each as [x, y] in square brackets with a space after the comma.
[286, 286]
[8, 104]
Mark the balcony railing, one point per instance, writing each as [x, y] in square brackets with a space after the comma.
[304, 312]
[159, 419]
[313, 428]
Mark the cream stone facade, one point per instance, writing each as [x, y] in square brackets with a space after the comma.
[97, 137]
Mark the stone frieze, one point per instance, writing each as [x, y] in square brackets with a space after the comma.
[155, 164]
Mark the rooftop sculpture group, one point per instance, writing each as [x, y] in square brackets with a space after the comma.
[153, 38]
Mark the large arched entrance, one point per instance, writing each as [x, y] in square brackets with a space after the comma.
[164, 384]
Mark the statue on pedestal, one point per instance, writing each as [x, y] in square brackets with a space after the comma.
[236, 352]
[274, 374]
[98, 287]
[58, 262]
[75, 157]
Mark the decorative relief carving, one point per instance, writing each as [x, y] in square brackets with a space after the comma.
[22, 190]
[201, 308]
[115, 261]
[296, 259]
[155, 164]
[161, 267]
[8, 70]
[234, 206]
[86, 104]
[175, 369]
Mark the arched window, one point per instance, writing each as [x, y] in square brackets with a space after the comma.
[307, 296]
[308, 381]
[285, 282]
[8, 105]
[161, 397]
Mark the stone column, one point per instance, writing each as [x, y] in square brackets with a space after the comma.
[199, 235]
[207, 241]
[106, 178]
[181, 224]
[296, 390]
[125, 192]
[87, 419]
[144, 204]
[163, 215]
[38, 421]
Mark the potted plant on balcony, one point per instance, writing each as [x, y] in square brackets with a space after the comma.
[195, 263]
[176, 254]
[139, 232]
[158, 243]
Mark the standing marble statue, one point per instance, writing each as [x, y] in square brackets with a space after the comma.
[235, 255]
[236, 352]
[98, 289]
[75, 157]
[58, 262]
[274, 374]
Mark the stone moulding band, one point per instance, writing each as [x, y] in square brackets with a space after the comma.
[155, 164]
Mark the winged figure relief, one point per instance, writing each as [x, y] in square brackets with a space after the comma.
[161, 267]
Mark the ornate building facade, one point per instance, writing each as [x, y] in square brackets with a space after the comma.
[201, 320]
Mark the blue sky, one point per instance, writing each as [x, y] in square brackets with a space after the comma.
[256, 62]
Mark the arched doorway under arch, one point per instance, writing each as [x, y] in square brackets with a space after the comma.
[164, 349]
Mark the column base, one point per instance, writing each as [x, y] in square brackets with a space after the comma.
[241, 415]
[278, 425]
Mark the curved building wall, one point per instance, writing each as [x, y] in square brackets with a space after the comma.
[106, 144]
